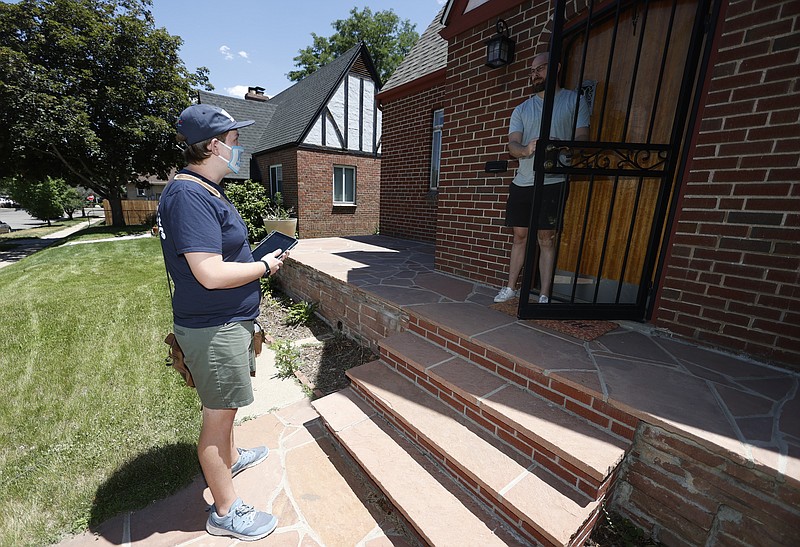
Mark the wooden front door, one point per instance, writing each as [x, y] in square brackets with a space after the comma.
[637, 64]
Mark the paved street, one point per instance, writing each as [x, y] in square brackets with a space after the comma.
[25, 247]
[19, 219]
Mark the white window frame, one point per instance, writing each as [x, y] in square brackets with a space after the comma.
[275, 178]
[342, 198]
[437, 124]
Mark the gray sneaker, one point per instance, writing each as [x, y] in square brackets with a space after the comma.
[242, 522]
[506, 294]
[249, 458]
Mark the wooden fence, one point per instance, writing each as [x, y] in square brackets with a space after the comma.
[135, 211]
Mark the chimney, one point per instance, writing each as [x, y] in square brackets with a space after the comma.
[255, 93]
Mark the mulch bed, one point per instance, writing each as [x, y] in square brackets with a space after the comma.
[323, 363]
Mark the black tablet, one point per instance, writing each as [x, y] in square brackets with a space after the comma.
[275, 240]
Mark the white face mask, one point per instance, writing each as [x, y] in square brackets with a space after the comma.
[234, 164]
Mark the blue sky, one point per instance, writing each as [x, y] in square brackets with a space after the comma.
[253, 42]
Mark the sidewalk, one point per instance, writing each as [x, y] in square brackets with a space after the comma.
[318, 498]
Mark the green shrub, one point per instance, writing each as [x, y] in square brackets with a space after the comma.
[301, 313]
[287, 358]
[268, 285]
[275, 210]
[251, 200]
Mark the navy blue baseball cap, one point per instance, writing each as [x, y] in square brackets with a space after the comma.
[200, 122]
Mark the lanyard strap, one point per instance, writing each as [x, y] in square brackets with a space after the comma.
[184, 176]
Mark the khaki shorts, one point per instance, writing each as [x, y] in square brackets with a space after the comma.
[220, 359]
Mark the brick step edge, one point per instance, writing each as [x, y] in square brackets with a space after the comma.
[445, 512]
[594, 480]
[575, 399]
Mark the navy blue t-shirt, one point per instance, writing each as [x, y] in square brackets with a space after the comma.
[191, 219]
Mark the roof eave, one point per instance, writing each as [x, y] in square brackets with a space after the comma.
[423, 83]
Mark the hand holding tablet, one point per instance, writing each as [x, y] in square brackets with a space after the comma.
[274, 241]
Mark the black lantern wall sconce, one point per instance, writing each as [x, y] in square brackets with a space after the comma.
[500, 48]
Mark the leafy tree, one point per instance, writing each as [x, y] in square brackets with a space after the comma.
[387, 37]
[42, 199]
[89, 91]
[72, 200]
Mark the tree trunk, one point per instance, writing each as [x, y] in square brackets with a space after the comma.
[117, 218]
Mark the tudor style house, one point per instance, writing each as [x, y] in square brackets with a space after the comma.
[317, 143]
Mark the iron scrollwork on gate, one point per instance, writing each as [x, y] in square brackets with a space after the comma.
[609, 159]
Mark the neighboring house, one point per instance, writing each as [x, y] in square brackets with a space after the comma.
[716, 258]
[149, 190]
[318, 143]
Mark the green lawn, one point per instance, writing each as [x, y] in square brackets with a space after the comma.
[91, 421]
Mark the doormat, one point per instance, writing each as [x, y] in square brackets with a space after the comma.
[582, 329]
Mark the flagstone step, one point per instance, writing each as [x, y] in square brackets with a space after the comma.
[566, 444]
[440, 511]
[556, 368]
[533, 500]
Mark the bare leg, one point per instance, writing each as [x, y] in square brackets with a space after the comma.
[234, 452]
[547, 257]
[214, 452]
[518, 245]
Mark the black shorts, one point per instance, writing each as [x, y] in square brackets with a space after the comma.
[520, 203]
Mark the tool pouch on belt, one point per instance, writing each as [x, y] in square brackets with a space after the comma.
[175, 359]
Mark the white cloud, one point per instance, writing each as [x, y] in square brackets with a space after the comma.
[243, 54]
[238, 91]
[226, 52]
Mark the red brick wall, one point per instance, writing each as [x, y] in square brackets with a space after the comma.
[732, 278]
[408, 208]
[317, 216]
[471, 239]
[685, 494]
[288, 160]
[308, 187]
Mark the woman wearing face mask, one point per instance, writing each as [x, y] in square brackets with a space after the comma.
[216, 299]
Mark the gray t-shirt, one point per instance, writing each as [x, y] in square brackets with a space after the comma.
[527, 119]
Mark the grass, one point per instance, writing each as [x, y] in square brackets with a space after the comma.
[91, 422]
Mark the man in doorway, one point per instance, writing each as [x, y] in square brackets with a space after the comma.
[522, 136]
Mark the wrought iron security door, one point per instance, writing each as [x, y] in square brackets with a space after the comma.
[638, 63]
